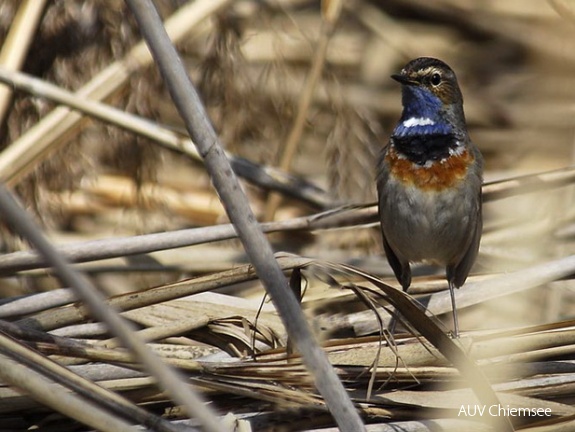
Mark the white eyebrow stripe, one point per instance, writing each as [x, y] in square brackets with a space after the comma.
[418, 121]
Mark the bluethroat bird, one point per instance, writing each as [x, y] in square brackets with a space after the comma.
[429, 179]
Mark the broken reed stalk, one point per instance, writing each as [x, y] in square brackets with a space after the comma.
[237, 207]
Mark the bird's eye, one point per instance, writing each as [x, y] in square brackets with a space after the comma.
[435, 79]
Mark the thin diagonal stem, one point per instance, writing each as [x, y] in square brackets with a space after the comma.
[237, 207]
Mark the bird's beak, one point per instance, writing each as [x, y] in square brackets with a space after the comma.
[403, 79]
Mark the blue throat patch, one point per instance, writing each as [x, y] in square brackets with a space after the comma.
[423, 135]
[421, 114]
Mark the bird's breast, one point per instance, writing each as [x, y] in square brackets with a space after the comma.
[435, 175]
[429, 212]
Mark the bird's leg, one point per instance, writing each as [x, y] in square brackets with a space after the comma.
[454, 309]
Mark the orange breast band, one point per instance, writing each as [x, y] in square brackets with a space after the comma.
[435, 177]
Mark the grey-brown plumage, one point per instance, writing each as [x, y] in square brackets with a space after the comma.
[429, 179]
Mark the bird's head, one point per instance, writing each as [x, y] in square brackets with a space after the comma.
[432, 101]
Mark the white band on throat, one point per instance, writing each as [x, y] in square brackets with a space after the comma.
[418, 121]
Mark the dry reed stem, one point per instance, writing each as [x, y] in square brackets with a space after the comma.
[15, 46]
[340, 217]
[59, 399]
[329, 20]
[54, 130]
[264, 176]
[96, 394]
[167, 377]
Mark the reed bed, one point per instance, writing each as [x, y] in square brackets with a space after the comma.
[300, 95]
